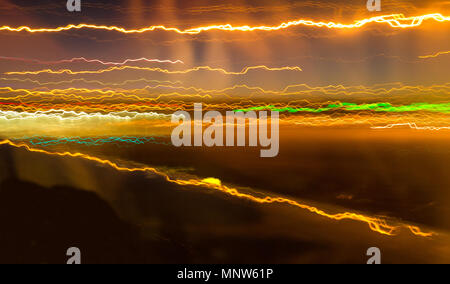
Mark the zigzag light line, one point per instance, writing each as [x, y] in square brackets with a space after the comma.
[393, 20]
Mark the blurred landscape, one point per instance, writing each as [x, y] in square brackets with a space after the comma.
[86, 158]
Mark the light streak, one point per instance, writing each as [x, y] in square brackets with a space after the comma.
[62, 115]
[89, 82]
[412, 125]
[82, 59]
[200, 68]
[378, 107]
[143, 105]
[376, 224]
[416, 231]
[393, 20]
[90, 141]
[89, 107]
[434, 55]
[392, 90]
[105, 94]
[81, 100]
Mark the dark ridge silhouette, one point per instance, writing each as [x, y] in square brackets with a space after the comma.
[7, 164]
[39, 224]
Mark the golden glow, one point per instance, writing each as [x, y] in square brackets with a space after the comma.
[213, 181]
[87, 101]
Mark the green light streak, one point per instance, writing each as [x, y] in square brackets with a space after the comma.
[376, 107]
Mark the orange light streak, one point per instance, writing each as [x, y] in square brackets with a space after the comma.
[435, 55]
[393, 20]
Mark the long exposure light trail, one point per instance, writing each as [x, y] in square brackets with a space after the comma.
[393, 20]
[194, 131]
[378, 107]
[435, 54]
[200, 68]
[82, 59]
[412, 125]
[91, 141]
[297, 90]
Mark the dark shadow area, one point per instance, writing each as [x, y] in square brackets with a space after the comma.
[136, 218]
[39, 224]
